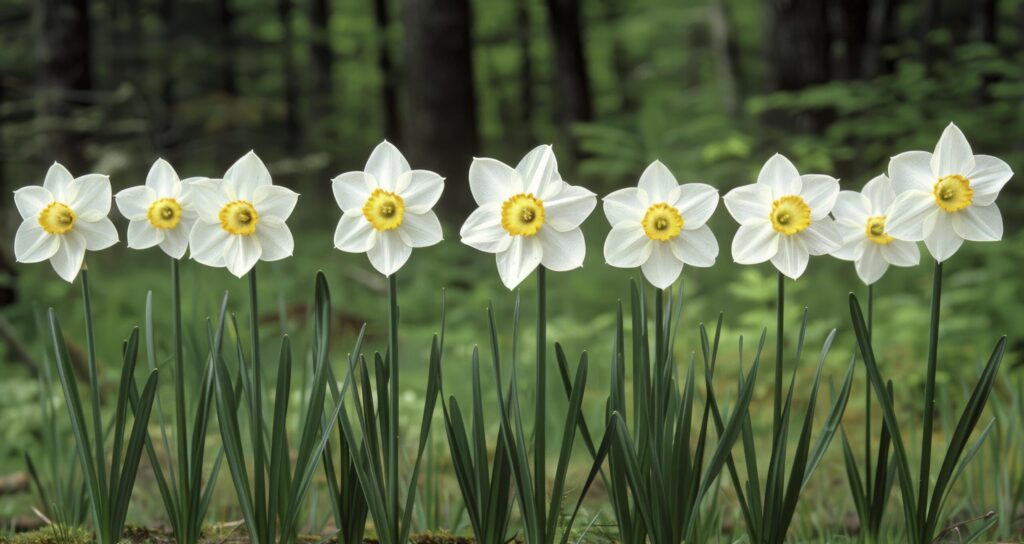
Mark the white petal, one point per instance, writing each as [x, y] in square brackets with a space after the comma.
[627, 245]
[662, 268]
[493, 181]
[912, 171]
[208, 198]
[67, 260]
[821, 237]
[163, 179]
[901, 253]
[134, 202]
[780, 176]
[241, 254]
[908, 213]
[792, 257]
[32, 244]
[569, 208]
[538, 169]
[242, 179]
[423, 191]
[522, 257]
[852, 209]
[351, 190]
[942, 241]
[853, 247]
[57, 181]
[953, 154]
[176, 240]
[142, 235]
[98, 234]
[92, 197]
[657, 181]
[819, 192]
[749, 203]
[483, 231]
[31, 200]
[696, 203]
[627, 204]
[979, 223]
[386, 164]
[275, 239]
[207, 242]
[988, 178]
[389, 254]
[755, 243]
[696, 247]
[871, 265]
[880, 193]
[420, 230]
[354, 234]
[274, 201]
[562, 251]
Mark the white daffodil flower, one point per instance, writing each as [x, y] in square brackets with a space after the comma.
[947, 196]
[159, 212]
[861, 219]
[784, 217]
[386, 210]
[660, 225]
[527, 215]
[62, 219]
[241, 219]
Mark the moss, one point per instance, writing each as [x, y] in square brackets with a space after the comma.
[53, 535]
[213, 534]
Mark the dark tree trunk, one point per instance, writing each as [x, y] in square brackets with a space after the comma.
[929, 16]
[293, 123]
[726, 57]
[320, 51]
[524, 28]
[226, 20]
[166, 15]
[797, 53]
[984, 19]
[64, 60]
[389, 89]
[614, 11]
[881, 34]
[441, 118]
[853, 17]
[570, 62]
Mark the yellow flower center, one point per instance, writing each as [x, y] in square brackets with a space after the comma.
[876, 230]
[384, 210]
[239, 217]
[522, 215]
[165, 213]
[662, 222]
[790, 215]
[57, 218]
[953, 193]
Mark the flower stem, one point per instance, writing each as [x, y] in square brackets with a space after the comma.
[929, 396]
[103, 527]
[392, 446]
[257, 408]
[540, 469]
[179, 392]
[779, 336]
[867, 405]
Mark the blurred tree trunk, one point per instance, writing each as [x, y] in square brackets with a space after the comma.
[881, 34]
[984, 22]
[226, 21]
[614, 13]
[165, 13]
[574, 98]
[64, 80]
[389, 89]
[322, 58]
[929, 16]
[797, 49]
[524, 30]
[441, 117]
[726, 54]
[854, 16]
[293, 126]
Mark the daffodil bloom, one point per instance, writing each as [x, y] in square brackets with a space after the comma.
[159, 212]
[62, 219]
[241, 219]
[947, 196]
[862, 221]
[784, 217]
[527, 215]
[659, 225]
[386, 210]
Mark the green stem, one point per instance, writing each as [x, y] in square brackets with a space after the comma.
[179, 391]
[94, 390]
[779, 336]
[929, 398]
[257, 408]
[867, 404]
[393, 398]
[540, 469]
